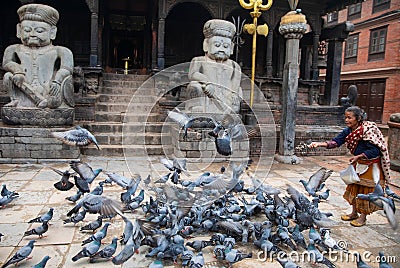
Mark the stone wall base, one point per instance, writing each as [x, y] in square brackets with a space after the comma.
[21, 144]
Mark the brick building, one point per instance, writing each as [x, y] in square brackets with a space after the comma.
[371, 56]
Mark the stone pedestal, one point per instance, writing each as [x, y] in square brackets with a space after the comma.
[394, 141]
[21, 144]
[37, 116]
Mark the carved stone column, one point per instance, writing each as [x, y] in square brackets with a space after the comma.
[268, 63]
[314, 65]
[293, 26]
[161, 44]
[94, 31]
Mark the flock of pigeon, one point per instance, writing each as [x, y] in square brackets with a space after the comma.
[215, 205]
[177, 207]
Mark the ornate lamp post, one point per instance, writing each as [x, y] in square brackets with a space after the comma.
[253, 29]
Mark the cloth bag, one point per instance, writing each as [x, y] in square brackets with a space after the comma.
[349, 175]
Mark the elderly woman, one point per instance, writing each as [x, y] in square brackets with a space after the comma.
[370, 158]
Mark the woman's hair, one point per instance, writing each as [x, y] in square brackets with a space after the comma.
[358, 113]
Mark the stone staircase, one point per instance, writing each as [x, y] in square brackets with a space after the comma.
[127, 120]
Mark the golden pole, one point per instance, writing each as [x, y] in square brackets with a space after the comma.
[253, 29]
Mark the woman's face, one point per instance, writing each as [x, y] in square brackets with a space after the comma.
[351, 120]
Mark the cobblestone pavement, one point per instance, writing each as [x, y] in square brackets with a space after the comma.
[35, 182]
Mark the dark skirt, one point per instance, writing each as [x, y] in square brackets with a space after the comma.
[365, 186]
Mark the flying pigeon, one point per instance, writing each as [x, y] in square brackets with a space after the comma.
[21, 254]
[85, 171]
[78, 136]
[64, 184]
[316, 181]
[125, 254]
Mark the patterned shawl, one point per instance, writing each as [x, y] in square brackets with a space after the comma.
[369, 131]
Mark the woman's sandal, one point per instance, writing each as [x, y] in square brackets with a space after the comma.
[349, 217]
[356, 223]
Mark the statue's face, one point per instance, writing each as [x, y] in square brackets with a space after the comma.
[219, 48]
[35, 33]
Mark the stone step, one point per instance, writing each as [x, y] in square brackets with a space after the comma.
[122, 83]
[140, 138]
[128, 77]
[110, 127]
[125, 107]
[127, 98]
[128, 91]
[121, 117]
[127, 150]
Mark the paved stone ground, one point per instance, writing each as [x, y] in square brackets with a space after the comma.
[34, 183]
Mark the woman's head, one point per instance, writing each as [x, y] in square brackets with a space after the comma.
[354, 116]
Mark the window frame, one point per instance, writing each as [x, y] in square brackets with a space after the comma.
[352, 40]
[379, 52]
[352, 15]
[380, 5]
[332, 17]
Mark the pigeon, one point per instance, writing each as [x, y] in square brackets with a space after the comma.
[78, 136]
[6, 192]
[42, 263]
[377, 198]
[235, 255]
[383, 261]
[197, 261]
[223, 143]
[93, 204]
[317, 256]
[76, 218]
[316, 181]
[287, 263]
[40, 230]
[75, 197]
[106, 253]
[94, 225]
[87, 251]
[21, 254]
[360, 262]
[126, 197]
[85, 171]
[328, 240]
[125, 254]
[98, 236]
[82, 185]
[390, 193]
[198, 245]
[186, 256]
[119, 179]
[324, 195]
[5, 200]
[64, 184]
[44, 218]
[298, 237]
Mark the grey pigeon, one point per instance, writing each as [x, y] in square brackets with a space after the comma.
[85, 171]
[6, 192]
[128, 231]
[88, 250]
[126, 197]
[316, 181]
[42, 263]
[78, 136]
[81, 184]
[198, 245]
[21, 254]
[5, 200]
[235, 255]
[390, 193]
[97, 204]
[39, 230]
[298, 237]
[44, 218]
[76, 218]
[125, 254]
[360, 262]
[317, 256]
[75, 197]
[287, 263]
[98, 236]
[324, 195]
[94, 225]
[106, 253]
[119, 179]
[186, 256]
[64, 184]
[197, 261]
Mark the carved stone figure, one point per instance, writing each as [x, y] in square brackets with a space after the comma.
[38, 74]
[214, 74]
[351, 98]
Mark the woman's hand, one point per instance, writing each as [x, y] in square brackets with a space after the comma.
[355, 158]
[316, 144]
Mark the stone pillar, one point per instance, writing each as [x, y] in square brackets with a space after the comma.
[270, 41]
[94, 31]
[394, 141]
[154, 44]
[293, 26]
[314, 66]
[160, 44]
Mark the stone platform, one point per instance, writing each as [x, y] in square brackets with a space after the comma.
[21, 144]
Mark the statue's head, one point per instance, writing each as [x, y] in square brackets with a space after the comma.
[37, 27]
[218, 35]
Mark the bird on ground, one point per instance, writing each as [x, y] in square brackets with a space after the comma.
[324, 195]
[87, 251]
[317, 256]
[21, 254]
[316, 182]
[77, 136]
[85, 171]
[125, 254]
[120, 180]
[377, 198]
[39, 230]
[42, 263]
[6, 192]
[198, 245]
[75, 197]
[45, 217]
[98, 236]
[383, 261]
[126, 197]
[390, 193]
[94, 225]
[287, 263]
[235, 255]
[5, 200]
[360, 262]
[328, 240]
[76, 218]
[197, 261]
[106, 253]
[298, 237]
[64, 184]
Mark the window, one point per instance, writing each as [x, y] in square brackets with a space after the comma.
[377, 44]
[380, 5]
[332, 17]
[354, 11]
[350, 54]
